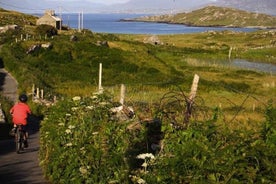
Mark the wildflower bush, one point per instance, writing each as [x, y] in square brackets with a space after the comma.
[207, 153]
[81, 142]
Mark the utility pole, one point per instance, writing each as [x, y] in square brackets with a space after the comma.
[60, 16]
[80, 22]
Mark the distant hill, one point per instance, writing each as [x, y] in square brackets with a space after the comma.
[258, 6]
[157, 6]
[215, 16]
[174, 6]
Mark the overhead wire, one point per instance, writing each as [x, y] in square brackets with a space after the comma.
[20, 8]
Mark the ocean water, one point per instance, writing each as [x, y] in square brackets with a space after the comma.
[110, 23]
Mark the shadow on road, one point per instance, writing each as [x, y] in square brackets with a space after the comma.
[2, 75]
[7, 146]
[22, 168]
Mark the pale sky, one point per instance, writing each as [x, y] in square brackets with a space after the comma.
[72, 5]
[109, 1]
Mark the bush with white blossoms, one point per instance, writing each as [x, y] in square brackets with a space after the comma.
[90, 145]
[148, 158]
[76, 98]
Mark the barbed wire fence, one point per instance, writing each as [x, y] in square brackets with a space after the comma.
[176, 106]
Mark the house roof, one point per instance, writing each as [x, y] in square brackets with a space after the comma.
[52, 17]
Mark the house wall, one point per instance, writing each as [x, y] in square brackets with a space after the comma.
[48, 20]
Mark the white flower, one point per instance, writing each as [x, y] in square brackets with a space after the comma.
[95, 133]
[68, 115]
[82, 150]
[83, 170]
[90, 107]
[145, 155]
[94, 97]
[76, 98]
[61, 124]
[145, 164]
[71, 127]
[69, 144]
[141, 181]
[68, 131]
[74, 108]
[103, 103]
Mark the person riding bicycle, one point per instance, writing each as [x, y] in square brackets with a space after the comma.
[20, 113]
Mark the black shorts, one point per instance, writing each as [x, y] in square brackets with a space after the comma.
[24, 128]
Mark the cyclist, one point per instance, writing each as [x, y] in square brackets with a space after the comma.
[20, 113]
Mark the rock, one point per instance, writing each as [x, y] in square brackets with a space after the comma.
[33, 48]
[73, 38]
[122, 113]
[46, 45]
[103, 43]
[8, 27]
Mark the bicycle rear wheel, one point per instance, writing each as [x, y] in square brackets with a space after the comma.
[19, 140]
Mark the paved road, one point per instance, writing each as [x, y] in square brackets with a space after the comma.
[19, 168]
[8, 85]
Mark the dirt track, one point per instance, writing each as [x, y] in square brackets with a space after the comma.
[19, 168]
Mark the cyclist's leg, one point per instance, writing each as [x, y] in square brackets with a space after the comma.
[14, 128]
[24, 128]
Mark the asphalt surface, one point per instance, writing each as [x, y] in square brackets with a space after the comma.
[20, 168]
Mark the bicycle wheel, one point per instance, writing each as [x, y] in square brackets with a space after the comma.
[19, 140]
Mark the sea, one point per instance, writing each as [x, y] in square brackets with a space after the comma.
[111, 23]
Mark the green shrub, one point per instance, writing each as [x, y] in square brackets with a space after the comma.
[93, 147]
[46, 30]
[81, 143]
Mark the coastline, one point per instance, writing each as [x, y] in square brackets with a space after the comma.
[197, 25]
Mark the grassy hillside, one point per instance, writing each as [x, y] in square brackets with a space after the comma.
[13, 17]
[216, 16]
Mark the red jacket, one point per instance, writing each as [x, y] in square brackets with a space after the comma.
[20, 113]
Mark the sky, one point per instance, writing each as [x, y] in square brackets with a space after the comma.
[109, 2]
[106, 2]
[98, 5]
[133, 6]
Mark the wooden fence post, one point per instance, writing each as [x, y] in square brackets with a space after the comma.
[100, 79]
[37, 92]
[230, 53]
[123, 92]
[190, 100]
[42, 94]
[33, 90]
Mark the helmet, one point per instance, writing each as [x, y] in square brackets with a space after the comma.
[23, 98]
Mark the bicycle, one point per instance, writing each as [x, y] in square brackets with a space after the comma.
[19, 139]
